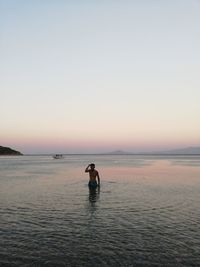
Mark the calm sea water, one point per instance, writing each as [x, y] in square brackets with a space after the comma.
[146, 213]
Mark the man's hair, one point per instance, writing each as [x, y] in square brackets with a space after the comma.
[92, 165]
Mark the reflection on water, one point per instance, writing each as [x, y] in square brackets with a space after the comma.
[146, 212]
[184, 161]
[94, 194]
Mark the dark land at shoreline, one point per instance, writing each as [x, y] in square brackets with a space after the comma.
[7, 151]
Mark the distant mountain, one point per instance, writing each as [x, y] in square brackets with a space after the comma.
[182, 151]
[7, 151]
[118, 152]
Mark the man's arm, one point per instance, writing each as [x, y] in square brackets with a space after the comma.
[98, 178]
[87, 169]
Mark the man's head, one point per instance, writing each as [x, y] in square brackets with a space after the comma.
[92, 165]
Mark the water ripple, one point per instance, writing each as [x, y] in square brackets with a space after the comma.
[59, 222]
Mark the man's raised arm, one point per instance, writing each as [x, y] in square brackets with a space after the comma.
[87, 169]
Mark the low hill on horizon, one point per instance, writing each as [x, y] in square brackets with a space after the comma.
[180, 151]
[7, 151]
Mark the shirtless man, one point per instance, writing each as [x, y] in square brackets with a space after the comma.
[93, 174]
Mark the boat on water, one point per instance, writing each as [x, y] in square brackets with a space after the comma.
[58, 156]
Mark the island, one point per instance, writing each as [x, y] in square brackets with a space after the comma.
[180, 151]
[7, 151]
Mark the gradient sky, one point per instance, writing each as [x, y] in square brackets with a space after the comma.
[96, 76]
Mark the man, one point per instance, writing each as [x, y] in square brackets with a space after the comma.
[93, 175]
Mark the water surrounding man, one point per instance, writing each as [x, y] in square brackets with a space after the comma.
[94, 179]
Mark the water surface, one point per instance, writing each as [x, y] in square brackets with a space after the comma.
[146, 212]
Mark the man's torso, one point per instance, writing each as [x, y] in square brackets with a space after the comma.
[93, 175]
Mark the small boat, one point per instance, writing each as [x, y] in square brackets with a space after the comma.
[58, 156]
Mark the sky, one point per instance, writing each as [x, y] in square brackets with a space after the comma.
[97, 76]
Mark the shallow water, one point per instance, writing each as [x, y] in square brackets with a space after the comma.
[146, 212]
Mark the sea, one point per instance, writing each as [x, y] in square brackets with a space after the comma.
[145, 213]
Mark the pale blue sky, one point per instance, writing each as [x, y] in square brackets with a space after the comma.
[89, 76]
